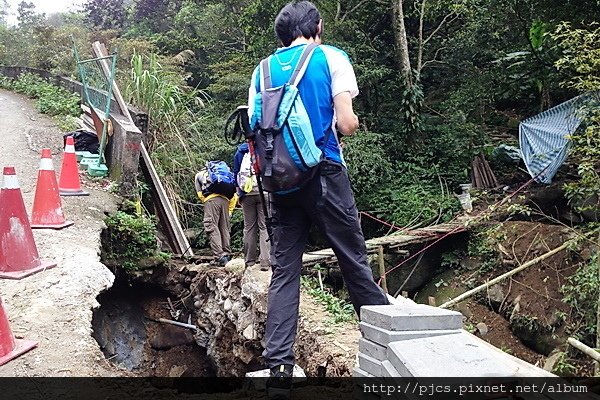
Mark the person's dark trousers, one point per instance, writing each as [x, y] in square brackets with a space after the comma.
[328, 202]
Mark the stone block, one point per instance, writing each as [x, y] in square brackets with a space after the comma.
[388, 370]
[384, 336]
[458, 355]
[417, 317]
[360, 373]
[369, 364]
[372, 349]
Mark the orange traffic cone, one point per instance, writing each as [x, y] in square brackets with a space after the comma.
[68, 183]
[18, 254]
[10, 347]
[47, 209]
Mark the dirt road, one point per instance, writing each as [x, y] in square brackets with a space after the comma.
[54, 307]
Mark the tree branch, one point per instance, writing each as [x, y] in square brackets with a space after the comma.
[434, 59]
[445, 20]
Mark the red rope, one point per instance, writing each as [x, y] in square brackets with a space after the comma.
[455, 230]
[382, 221]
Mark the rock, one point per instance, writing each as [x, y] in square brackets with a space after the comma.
[551, 361]
[470, 263]
[227, 304]
[495, 295]
[482, 328]
[197, 304]
[176, 371]
[464, 309]
[168, 336]
[249, 333]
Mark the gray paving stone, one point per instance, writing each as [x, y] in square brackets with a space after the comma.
[360, 373]
[384, 336]
[419, 317]
[372, 349]
[459, 355]
[369, 364]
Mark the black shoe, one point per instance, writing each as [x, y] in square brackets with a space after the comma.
[224, 260]
[279, 384]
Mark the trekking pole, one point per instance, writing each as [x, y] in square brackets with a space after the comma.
[261, 192]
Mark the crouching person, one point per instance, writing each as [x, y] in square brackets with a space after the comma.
[216, 189]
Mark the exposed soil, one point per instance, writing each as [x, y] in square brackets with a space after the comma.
[524, 313]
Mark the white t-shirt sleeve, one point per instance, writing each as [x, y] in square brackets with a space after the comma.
[343, 78]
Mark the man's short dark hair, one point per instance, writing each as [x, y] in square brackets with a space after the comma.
[297, 18]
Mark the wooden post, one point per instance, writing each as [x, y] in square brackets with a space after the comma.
[528, 264]
[382, 269]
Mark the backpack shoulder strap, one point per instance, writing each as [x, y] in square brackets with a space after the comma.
[302, 64]
[265, 74]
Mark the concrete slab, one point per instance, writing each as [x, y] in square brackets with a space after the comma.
[369, 364]
[388, 370]
[384, 336]
[360, 373]
[418, 317]
[372, 349]
[459, 355]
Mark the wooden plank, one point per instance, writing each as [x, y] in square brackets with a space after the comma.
[167, 215]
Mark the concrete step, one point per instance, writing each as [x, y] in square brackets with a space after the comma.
[418, 317]
[458, 355]
[372, 349]
[385, 336]
[369, 364]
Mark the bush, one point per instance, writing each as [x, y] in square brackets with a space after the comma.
[581, 293]
[130, 240]
[52, 100]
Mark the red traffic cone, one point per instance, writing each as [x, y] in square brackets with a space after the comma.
[68, 183]
[10, 347]
[47, 209]
[18, 254]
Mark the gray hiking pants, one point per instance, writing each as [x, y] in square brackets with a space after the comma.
[217, 225]
[255, 231]
[328, 202]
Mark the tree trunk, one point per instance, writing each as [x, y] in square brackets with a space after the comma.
[401, 42]
[598, 316]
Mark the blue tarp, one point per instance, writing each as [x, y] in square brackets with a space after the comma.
[544, 138]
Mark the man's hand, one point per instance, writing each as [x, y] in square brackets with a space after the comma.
[347, 121]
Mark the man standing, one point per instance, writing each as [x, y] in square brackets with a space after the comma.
[217, 192]
[255, 229]
[326, 89]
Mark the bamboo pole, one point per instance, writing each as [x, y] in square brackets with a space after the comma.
[584, 349]
[510, 273]
[382, 269]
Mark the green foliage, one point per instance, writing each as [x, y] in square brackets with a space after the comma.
[581, 292]
[339, 310]
[52, 100]
[581, 62]
[563, 366]
[129, 240]
[483, 243]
